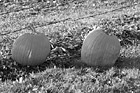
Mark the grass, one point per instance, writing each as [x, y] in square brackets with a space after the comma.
[66, 27]
[72, 80]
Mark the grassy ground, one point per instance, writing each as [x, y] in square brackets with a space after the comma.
[66, 24]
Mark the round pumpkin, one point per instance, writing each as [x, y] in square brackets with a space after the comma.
[100, 49]
[31, 49]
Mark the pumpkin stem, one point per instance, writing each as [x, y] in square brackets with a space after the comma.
[31, 27]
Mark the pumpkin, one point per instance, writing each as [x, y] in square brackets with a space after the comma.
[31, 49]
[100, 49]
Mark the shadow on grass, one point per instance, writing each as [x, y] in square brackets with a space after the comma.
[128, 62]
[122, 62]
[10, 70]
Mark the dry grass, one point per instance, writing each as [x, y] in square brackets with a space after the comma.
[58, 74]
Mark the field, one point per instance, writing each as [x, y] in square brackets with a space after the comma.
[66, 23]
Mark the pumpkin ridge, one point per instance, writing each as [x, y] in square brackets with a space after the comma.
[94, 45]
[25, 50]
[91, 47]
[21, 47]
[100, 49]
[103, 45]
[85, 43]
[106, 50]
[31, 49]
